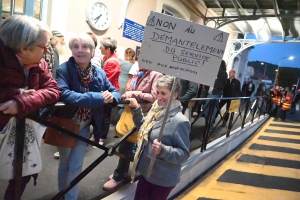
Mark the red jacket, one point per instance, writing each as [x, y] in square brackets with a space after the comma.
[12, 78]
[112, 69]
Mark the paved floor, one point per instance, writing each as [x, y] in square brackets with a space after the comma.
[266, 167]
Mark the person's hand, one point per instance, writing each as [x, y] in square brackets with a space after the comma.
[26, 91]
[9, 107]
[107, 96]
[156, 147]
[133, 103]
[124, 96]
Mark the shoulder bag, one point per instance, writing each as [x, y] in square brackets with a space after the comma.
[125, 124]
[57, 138]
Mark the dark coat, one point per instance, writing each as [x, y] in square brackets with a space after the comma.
[12, 78]
[220, 82]
[189, 90]
[249, 90]
[296, 97]
[232, 89]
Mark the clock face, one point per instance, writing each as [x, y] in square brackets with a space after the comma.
[98, 16]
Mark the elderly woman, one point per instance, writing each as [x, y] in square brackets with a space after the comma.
[143, 89]
[112, 68]
[26, 83]
[171, 151]
[86, 87]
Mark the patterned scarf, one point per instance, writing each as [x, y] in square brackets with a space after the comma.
[155, 115]
[85, 77]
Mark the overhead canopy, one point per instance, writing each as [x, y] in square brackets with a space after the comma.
[263, 18]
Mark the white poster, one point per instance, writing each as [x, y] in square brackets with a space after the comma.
[181, 48]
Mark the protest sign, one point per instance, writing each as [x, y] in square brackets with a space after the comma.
[181, 48]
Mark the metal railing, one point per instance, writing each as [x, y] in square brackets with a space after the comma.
[244, 112]
[247, 111]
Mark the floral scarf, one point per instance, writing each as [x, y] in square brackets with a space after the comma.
[155, 115]
[85, 77]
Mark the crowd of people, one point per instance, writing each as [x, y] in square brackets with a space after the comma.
[282, 100]
[93, 81]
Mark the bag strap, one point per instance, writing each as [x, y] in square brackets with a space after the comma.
[140, 79]
[103, 64]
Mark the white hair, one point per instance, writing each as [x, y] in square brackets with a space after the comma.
[85, 37]
[18, 31]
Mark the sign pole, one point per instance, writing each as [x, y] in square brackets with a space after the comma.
[163, 124]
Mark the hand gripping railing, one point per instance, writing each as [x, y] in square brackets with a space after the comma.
[19, 146]
[257, 107]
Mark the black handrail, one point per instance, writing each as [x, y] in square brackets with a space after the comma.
[257, 106]
[111, 149]
[18, 160]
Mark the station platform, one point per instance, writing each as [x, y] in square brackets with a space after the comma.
[266, 166]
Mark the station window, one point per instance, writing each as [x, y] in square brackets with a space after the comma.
[37, 10]
[170, 11]
[18, 7]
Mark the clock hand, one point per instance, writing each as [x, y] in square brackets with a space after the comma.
[97, 18]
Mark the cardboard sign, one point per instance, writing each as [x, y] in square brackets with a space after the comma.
[181, 48]
[234, 105]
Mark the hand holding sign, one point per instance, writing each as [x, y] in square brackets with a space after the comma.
[182, 49]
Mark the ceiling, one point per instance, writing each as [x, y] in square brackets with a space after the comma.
[266, 19]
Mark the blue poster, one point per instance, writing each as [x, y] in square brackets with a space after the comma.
[133, 31]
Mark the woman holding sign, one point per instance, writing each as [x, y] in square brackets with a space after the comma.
[171, 151]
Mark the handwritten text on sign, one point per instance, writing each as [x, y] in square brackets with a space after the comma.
[181, 48]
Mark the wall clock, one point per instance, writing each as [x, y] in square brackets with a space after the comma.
[98, 16]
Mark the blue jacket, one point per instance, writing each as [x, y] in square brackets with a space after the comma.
[69, 83]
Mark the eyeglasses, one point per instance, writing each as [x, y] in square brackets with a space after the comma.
[45, 48]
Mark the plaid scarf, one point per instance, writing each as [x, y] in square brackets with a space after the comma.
[85, 77]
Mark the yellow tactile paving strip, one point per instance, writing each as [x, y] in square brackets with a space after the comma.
[209, 188]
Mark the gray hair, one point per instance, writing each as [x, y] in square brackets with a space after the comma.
[85, 37]
[18, 31]
[110, 43]
[167, 81]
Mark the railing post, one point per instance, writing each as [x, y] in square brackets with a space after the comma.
[260, 107]
[253, 109]
[245, 113]
[230, 124]
[18, 158]
[207, 125]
